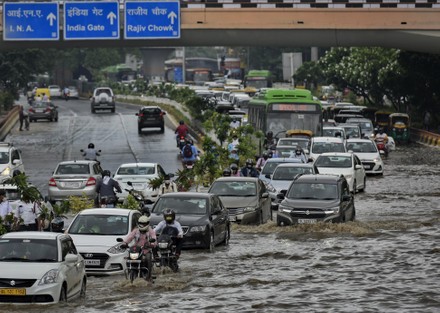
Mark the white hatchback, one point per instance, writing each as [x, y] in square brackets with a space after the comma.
[94, 232]
[139, 174]
[326, 144]
[40, 267]
[347, 164]
[367, 152]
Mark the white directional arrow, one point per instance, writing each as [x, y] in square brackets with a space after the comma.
[172, 16]
[51, 17]
[112, 17]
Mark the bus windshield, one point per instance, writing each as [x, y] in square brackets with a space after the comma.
[257, 83]
[282, 121]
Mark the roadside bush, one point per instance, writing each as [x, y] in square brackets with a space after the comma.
[77, 204]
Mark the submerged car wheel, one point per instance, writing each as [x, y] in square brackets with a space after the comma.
[211, 244]
[82, 293]
[63, 294]
[364, 186]
[227, 235]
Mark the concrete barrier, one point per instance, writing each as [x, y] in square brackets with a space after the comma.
[8, 122]
[425, 137]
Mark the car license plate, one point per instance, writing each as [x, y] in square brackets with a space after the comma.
[72, 184]
[39, 110]
[92, 262]
[367, 167]
[306, 221]
[138, 185]
[13, 291]
[232, 218]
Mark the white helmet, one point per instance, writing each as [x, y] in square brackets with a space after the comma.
[144, 223]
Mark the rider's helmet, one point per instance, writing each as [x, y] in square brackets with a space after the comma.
[91, 146]
[169, 216]
[143, 223]
[298, 151]
[234, 167]
[269, 134]
[249, 163]
[166, 179]
[106, 173]
[16, 173]
[57, 224]
[227, 172]
[265, 155]
[380, 130]
[181, 122]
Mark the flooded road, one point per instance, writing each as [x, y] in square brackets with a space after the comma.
[386, 261]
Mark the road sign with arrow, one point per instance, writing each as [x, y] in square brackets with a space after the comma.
[152, 20]
[30, 21]
[91, 20]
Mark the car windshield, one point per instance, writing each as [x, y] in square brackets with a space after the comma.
[316, 191]
[4, 157]
[293, 142]
[234, 188]
[352, 132]
[28, 250]
[333, 161]
[332, 132]
[270, 167]
[362, 147]
[72, 169]
[289, 173]
[40, 104]
[182, 205]
[136, 170]
[285, 152]
[322, 147]
[100, 224]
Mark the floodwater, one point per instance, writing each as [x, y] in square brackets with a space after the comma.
[386, 261]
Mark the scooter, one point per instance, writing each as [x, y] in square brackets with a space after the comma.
[383, 150]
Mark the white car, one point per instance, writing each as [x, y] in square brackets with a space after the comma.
[294, 142]
[94, 232]
[332, 131]
[10, 160]
[73, 92]
[367, 152]
[40, 267]
[347, 164]
[139, 174]
[320, 145]
[55, 91]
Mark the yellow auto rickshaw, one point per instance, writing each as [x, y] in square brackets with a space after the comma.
[299, 133]
[398, 127]
[381, 119]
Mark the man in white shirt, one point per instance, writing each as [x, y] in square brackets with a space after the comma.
[28, 213]
[5, 206]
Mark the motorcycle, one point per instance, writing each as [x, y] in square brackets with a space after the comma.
[144, 204]
[108, 201]
[381, 146]
[139, 264]
[188, 165]
[166, 249]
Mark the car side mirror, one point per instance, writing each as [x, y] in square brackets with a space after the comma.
[130, 183]
[265, 195]
[71, 258]
[281, 196]
[137, 114]
[358, 167]
[119, 240]
[170, 175]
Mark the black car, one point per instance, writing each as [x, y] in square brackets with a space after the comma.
[43, 110]
[203, 217]
[151, 116]
[316, 198]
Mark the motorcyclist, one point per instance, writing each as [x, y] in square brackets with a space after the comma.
[189, 152]
[298, 154]
[106, 188]
[66, 93]
[262, 161]
[227, 172]
[234, 170]
[90, 153]
[169, 220]
[382, 137]
[167, 186]
[142, 236]
[181, 131]
[269, 140]
[249, 170]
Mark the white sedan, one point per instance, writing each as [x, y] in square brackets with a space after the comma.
[343, 163]
[367, 152]
[139, 174]
[55, 91]
[73, 92]
[40, 267]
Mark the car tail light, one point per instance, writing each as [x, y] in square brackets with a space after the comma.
[141, 114]
[52, 182]
[91, 181]
[31, 110]
[48, 109]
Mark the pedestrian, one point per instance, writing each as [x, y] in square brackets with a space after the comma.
[426, 120]
[26, 216]
[23, 117]
[5, 208]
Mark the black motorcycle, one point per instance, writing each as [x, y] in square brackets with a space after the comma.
[166, 249]
[139, 264]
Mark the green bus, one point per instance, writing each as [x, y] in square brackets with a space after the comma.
[258, 79]
[280, 110]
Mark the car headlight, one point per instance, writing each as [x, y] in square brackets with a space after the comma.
[249, 209]
[196, 229]
[284, 209]
[405, 129]
[50, 277]
[334, 210]
[116, 249]
[376, 160]
[6, 171]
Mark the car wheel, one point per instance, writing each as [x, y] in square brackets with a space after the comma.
[63, 294]
[261, 218]
[162, 129]
[364, 185]
[113, 110]
[82, 293]
[93, 110]
[139, 130]
[56, 119]
[354, 186]
[227, 235]
[353, 215]
[51, 120]
[211, 244]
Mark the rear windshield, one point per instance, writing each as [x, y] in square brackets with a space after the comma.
[73, 169]
[151, 111]
[141, 170]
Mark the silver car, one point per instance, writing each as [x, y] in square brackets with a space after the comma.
[74, 178]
